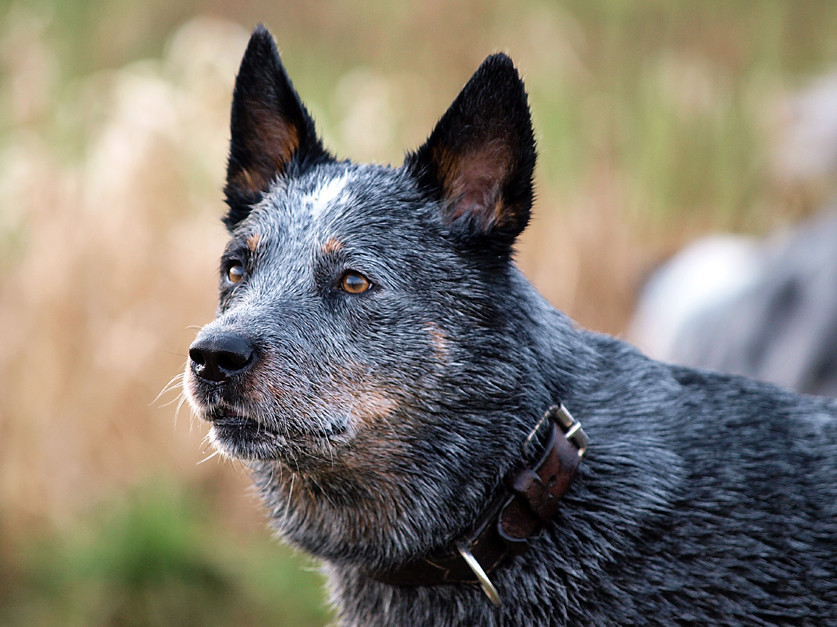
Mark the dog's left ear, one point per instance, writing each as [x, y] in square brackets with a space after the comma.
[269, 127]
[480, 157]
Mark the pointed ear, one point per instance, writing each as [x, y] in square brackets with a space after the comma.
[269, 127]
[480, 157]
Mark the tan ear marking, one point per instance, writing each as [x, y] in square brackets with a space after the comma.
[474, 180]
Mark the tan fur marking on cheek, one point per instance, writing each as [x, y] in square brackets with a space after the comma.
[366, 399]
[332, 245]
[372, 405]
[439, 341]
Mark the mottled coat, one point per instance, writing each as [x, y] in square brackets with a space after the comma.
[378, 359]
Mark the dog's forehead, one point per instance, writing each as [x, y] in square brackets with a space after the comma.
[323, 195]
[328, 201]
[295, 208]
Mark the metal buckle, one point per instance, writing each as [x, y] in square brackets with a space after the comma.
[572, 428]
[485, 582]
[569, 425]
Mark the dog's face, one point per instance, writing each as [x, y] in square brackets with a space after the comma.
[362, 322]
[303, 279]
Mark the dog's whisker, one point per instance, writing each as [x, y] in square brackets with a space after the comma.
[175, 382]
[215, 453]
[182, 399]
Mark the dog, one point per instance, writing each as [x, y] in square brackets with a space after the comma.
[764, 309]
[450, 447]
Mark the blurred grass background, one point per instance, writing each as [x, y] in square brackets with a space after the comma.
[657, 121]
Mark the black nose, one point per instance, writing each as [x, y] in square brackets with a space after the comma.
[218, 356]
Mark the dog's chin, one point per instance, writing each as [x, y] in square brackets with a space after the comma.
[249, 440]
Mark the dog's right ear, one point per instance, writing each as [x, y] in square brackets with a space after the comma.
[479, 159]
[269, 127]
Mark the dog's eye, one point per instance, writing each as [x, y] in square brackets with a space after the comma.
[235, 273]
[354, 282]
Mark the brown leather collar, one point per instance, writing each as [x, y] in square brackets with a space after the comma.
[527, 500]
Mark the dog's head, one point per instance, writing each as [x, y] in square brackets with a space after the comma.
[367, 313]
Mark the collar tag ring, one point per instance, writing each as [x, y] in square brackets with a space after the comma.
[485, 582]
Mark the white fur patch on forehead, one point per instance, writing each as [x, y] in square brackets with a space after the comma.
[327, 194]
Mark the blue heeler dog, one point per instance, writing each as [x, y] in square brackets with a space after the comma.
[409, 405]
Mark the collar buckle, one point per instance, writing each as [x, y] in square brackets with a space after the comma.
[569, 425]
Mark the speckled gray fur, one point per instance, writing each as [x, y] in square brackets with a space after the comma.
[378, 424]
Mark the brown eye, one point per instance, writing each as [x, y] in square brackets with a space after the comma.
[235, 274]
[354, 282]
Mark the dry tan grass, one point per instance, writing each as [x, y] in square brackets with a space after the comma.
[111, 258]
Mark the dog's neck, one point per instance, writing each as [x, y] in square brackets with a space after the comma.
[525, 502]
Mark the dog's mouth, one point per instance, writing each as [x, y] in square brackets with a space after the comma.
[249, 439]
